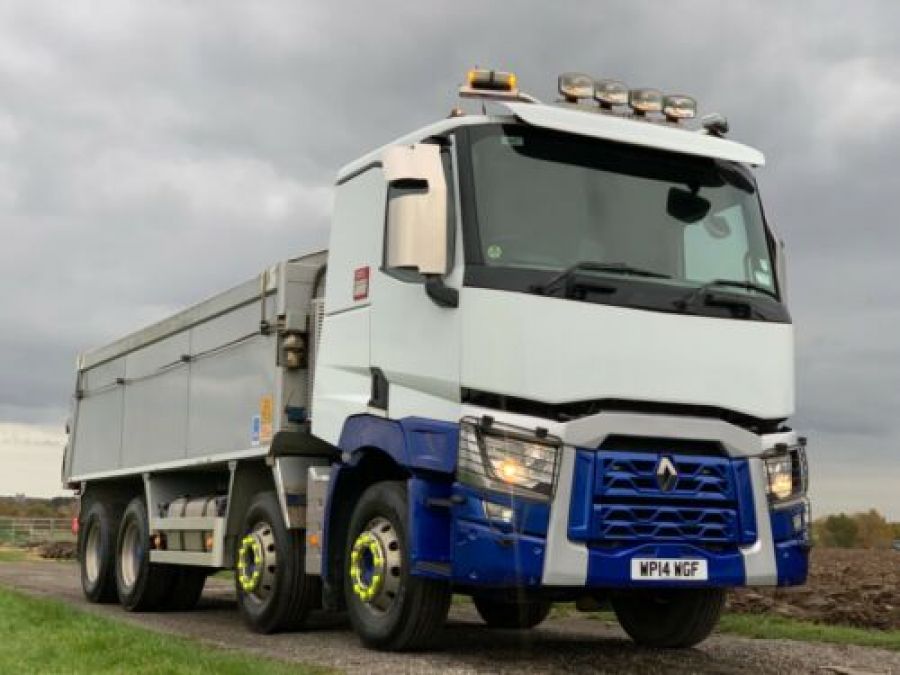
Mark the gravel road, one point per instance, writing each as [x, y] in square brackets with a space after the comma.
[559, 645]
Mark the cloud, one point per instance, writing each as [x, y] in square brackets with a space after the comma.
[138, 138]
[30, 457]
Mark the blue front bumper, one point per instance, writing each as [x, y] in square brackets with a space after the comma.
[618, 513]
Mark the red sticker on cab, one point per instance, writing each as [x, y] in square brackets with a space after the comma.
[361, 283]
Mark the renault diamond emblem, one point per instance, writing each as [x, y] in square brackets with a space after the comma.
[666, 475]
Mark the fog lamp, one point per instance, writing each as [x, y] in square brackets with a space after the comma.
[574, 86]
[497, 512]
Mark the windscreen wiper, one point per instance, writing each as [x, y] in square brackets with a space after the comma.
[691, 297]
[589, 266]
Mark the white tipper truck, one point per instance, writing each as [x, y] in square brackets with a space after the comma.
[546, 357]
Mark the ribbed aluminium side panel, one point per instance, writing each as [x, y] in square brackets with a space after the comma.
[317, 315]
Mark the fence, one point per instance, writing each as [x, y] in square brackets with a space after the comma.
[31, 531]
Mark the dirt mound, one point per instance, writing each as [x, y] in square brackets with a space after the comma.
[846, 586]
[59, 550]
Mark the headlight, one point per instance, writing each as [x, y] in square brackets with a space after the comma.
[508, 459]
[786, 473]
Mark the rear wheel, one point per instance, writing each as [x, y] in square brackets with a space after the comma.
[274, 593]
[97, 551]
[505, 614]
[142, 585]
[669, 617]
[389, 608]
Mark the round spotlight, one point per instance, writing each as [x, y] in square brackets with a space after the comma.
[644, 101]
[575, 86]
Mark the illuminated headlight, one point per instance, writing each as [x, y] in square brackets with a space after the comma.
[574, 86]
[507, 459]
[786, 473]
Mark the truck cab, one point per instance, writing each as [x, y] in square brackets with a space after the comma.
[567, 326]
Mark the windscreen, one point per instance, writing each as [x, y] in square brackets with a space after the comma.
[546, 201]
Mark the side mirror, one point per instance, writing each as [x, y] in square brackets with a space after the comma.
[416, 236]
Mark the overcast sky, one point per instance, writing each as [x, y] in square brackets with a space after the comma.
[154, 153]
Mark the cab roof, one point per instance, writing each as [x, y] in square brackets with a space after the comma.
[585, 121]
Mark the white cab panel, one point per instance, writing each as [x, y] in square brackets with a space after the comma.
[343, 377]
[356, 233]
[558, 351]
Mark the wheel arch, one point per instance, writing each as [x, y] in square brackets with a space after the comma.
[113, 493]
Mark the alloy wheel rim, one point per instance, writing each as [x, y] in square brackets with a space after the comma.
[132, 554]
[375, 565]
[92, 553]
[257, 562]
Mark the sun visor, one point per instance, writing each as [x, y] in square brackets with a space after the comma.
[636, 132]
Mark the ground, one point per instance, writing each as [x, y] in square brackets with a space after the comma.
[846, 587]
[565, 643]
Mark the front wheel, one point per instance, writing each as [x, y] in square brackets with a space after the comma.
[389, 608]
[669, 617]
[508, 614]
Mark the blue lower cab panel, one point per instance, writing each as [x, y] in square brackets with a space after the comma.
[611, 567]
[492, 552]
[792, 562]
[484, 555]
[790, 532]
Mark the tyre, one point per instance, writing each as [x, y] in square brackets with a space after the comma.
[97, 532]
[142, 586]
[274, 593]
[185, 589]
[389, 608]
[669, 618]
[508, 614]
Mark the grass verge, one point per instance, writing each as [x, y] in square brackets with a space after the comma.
[777, 627]
[772, 627]
[47, 636]
[12, 555]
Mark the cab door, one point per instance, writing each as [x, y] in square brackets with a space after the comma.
[415, 342]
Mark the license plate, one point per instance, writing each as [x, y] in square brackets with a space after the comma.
[675, 569]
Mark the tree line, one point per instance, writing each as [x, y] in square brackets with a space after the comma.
[20, 506]
[868, 529]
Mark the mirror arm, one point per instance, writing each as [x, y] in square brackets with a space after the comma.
[442, 294]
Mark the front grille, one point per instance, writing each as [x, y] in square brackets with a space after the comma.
[665, 523]
[633, 475]
[630, 505]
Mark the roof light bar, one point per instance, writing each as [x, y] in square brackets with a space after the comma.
[575, 86]
[643, 101]
[610, 92]
[678, 107]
